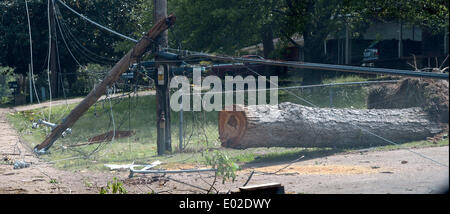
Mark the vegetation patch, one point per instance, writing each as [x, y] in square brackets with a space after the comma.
[431, 95]
[137, 114]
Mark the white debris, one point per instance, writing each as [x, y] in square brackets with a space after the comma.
[156, 163]
[132, 165]
[21, 164]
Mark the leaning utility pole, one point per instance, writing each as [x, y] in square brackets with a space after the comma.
[115, 73]
[162, 89]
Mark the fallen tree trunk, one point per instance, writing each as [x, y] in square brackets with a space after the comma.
[292, 125]
[112, 76]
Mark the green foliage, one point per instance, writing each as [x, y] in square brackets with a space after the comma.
[14, 37]
[225, 167]
[87, 77]
[6, 75]
[433, 15]
[113, 187]
[221, 26]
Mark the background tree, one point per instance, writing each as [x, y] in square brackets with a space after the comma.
[316, 19]
[77, 32]
[220, 26]
[223, 26]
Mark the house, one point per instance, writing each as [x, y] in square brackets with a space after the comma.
[402, 43]
[293, 50]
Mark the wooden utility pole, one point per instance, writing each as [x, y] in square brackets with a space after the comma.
[162, 90]
[112, 76]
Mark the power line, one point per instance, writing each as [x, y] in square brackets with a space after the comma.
[60, 80]
[85, 52]
[331, 67]
[365, 130]
[328, 67]
[49, 56]
[65, 32]
[234, 59]
[65, 42]
[31, 53]
[97, 24]
[298, 87]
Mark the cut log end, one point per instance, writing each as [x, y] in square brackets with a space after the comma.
[232, 126]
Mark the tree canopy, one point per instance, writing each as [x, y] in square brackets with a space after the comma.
[221, 26]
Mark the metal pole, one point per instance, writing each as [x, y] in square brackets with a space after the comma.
[330, 67]
[400, 38]
[43, 93]
[31, 86]
[347, 45]
[181, 129]
[330, 91]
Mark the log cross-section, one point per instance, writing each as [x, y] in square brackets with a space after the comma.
[293, 125]
[137, 51]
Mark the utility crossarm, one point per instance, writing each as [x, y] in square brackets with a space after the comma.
[328, 67]
[51, 125]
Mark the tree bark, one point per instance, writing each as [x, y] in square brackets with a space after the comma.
[293, 125]
[112, 76]
[267, 40]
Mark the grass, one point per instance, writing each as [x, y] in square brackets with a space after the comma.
[136, 114]
[353, 96]
[415, 144]
[349, 96]
[200, 132]
[346, 78]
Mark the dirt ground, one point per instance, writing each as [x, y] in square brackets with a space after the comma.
[398, 171]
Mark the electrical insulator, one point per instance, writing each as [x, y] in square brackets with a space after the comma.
[161, 75]
[162, 121]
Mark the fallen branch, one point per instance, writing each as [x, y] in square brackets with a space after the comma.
[132, 171]
[181, 182]
[16, 154]
[249, 177]
[289, 164]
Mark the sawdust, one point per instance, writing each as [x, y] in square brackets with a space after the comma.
[178, 166]
[294, 169]
[315, 169]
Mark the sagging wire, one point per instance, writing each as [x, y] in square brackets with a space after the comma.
[356, 126]
[200, 54]
[97, 24]
[48, 65]
[31, 53]
[83, 51]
